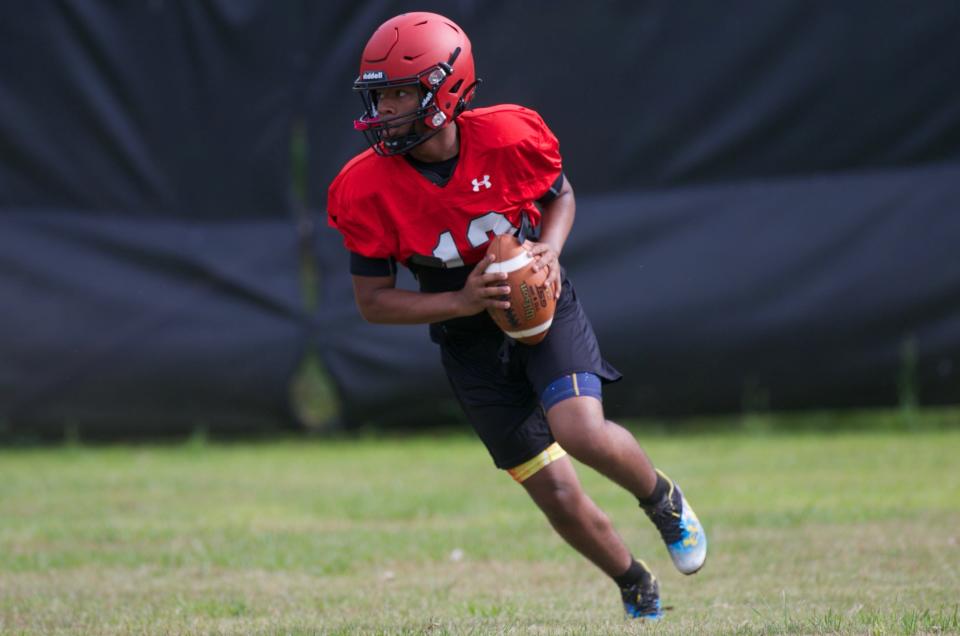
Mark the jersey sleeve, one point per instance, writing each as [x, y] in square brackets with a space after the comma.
[362, 266]
[539, 164]
[357, 217]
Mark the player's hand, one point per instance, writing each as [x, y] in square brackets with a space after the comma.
[545, 257]
[483, 290]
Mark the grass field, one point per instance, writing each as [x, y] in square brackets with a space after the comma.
[811, 532]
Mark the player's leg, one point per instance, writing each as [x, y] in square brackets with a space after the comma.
[508, 418]
[575, 414]
[554, 486]
[573, 401]
[566, 369]
[580, 427]
[557, 491]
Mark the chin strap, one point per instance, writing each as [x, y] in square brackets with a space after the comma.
[406, 143]
[399, 145]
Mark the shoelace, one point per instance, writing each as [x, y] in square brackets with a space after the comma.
[664, 515]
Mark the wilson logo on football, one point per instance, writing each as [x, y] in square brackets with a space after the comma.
[485, 182]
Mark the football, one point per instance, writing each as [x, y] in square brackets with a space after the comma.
[531, 299]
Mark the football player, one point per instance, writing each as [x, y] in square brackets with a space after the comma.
[437, 182]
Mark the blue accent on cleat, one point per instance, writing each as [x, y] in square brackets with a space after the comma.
[680, 528]
[642, 599]
[652, 614]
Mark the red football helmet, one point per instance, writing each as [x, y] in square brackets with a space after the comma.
[419, 49]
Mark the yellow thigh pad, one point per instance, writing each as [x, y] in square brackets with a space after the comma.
[529, 468]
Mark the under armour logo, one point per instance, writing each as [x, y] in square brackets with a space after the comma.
[485, 182]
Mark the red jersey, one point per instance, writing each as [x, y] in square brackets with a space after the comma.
[385, 208]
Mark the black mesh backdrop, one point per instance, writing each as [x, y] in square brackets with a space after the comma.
[766, 202]
[766, 198]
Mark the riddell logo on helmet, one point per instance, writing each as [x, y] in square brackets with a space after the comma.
[373, 75]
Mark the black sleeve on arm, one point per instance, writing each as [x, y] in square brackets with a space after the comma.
[553, 192]
[363, 266]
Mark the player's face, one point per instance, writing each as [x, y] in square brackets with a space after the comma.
[394, 102]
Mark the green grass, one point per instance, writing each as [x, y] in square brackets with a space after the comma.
[811, 533]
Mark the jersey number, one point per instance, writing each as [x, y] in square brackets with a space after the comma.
[478, 233]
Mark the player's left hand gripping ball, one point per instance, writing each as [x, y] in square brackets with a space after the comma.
[531, 297]
[545, 258]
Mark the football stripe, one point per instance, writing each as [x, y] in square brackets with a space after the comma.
[532, 331]
[510, 265]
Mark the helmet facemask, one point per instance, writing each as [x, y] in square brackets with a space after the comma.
[432, 119]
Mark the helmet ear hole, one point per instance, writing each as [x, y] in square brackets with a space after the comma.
[470, 91]
[467, 95]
